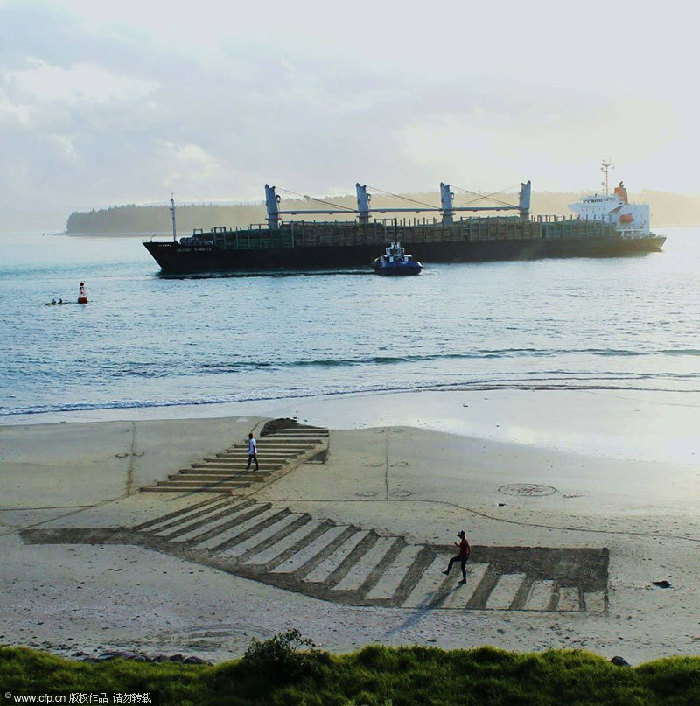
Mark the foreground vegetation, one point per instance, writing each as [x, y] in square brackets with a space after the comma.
[288, 670]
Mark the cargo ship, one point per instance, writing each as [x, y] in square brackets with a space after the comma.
[605, 225]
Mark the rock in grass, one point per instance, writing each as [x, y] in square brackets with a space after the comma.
[140, 657]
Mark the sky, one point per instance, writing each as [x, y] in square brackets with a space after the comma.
[113, 103]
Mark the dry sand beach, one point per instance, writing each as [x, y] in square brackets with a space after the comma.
[575, 503]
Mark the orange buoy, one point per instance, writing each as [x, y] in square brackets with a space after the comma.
[82, 296]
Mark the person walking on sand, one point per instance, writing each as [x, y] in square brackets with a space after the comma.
[464, 551]
[252, 448]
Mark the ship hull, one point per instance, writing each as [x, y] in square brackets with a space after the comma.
[175, 258]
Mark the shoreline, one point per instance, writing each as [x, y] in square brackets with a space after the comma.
[640, 424]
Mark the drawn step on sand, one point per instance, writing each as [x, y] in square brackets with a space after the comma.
[283, 445]
[341, 563]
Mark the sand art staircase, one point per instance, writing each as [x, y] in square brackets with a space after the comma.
[282, 445]
[342, 563]
[229, 530]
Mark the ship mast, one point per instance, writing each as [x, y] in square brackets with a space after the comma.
[172, 216]
[604, 168]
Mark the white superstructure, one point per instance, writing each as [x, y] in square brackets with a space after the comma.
[632, 220]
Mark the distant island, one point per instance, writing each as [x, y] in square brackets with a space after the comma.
[667, 209]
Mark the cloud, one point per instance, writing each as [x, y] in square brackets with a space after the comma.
[12, 114]
[191, 165]
[77, 83]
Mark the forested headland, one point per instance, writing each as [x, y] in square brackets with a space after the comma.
[667, 209]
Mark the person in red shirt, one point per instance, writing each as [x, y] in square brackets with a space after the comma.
[464, 552]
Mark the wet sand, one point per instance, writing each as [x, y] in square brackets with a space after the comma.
[620, 471]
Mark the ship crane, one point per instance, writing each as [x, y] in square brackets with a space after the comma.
[364, 209]
[172, 216]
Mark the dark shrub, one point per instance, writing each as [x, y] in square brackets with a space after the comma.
[284, 657]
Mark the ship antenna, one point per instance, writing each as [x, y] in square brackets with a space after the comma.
[604, 168]
[172, 216]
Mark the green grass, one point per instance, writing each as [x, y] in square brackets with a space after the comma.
[282, 672]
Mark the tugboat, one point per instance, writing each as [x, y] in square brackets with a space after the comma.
[396, 262]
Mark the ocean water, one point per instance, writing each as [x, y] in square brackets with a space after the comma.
[147, 340]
